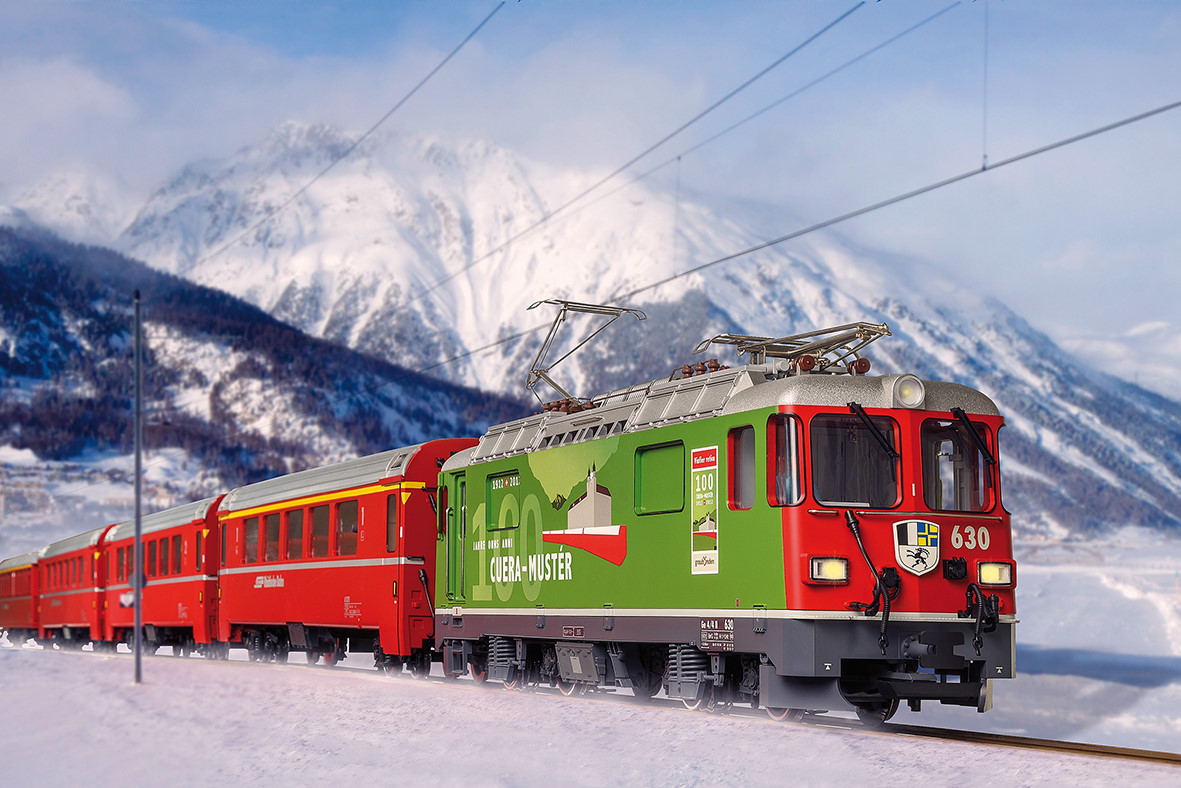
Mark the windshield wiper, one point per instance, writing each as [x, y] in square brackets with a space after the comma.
[877, 433]
[980, 444]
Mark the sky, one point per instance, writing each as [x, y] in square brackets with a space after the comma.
[1080, 241]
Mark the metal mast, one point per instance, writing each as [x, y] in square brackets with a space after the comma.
[137, 571]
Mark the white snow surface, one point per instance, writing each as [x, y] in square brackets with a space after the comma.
[1099, 660]
[81, 720]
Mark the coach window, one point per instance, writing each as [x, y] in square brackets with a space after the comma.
[197, 552]
[251, 541]
[119, 564]
[956, 475]
[850, 466]
[660, 478]
[271, 537]
[321, 525]
[128, 560]
[346, 528]
[164, 556]
[176, 554]
[784, 487]
[151, 559]
[393, 507]
[740, 445]
[222, 527]
[295, 534]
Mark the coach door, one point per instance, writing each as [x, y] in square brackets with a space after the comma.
[456, 538]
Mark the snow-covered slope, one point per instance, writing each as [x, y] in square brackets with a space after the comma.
[232, 394]
[80, 204]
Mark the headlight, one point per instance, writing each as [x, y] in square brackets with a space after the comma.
[908, 392]
[829, 570]
[994, 573]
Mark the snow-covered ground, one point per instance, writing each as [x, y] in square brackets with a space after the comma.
[1099, 661]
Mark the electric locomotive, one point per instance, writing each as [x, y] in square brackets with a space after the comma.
[791, 533]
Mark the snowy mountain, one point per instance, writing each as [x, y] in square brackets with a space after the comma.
[231, 394]
[397, 253]
[81, 205]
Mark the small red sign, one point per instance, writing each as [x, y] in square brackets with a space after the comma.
[705, 458]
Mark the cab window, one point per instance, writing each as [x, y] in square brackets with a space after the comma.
[956, 476]
[850, 466]
[784, 486]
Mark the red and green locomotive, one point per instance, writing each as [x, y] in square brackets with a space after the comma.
[791, 533]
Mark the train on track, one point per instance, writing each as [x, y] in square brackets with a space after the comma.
[790, 533]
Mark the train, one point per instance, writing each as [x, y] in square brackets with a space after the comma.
[790, 533]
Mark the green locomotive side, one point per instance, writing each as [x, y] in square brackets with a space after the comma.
[623, 521]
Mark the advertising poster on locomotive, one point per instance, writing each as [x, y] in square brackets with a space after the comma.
[703, 512]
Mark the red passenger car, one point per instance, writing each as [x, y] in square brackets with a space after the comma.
[18, 597]
[180, 573]
[335, 560]
[71, 583]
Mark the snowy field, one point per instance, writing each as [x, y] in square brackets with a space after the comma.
[1099, 661]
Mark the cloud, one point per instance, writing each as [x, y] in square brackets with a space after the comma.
[53, 106]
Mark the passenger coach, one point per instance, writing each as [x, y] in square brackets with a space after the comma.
[335, 560]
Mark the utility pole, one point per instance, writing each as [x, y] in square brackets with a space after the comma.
[138, 569]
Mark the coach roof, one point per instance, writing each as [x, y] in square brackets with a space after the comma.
[159, 521]
[19, 561]
[88, 539]
[316, 481]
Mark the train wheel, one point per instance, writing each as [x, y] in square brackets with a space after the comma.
[420, 665]
[703, 702]
[312, 656]
[331, 658]
[785, 715]
[874, 715]
[478, 676]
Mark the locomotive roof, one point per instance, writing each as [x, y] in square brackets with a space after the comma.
[88, 539]
[665, 402]
[340, 476]
[19, 561]
[158, 521]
